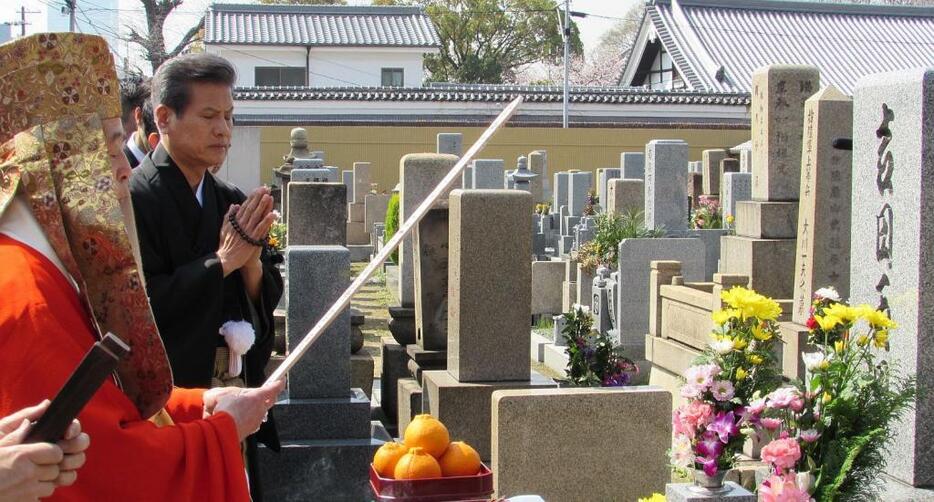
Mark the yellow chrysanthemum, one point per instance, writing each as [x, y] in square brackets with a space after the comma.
[826, 398]
[876, 318]
[739, 343]
[862, 340]
[763, 335]
[838, 346]
[827, 322]
[881, 339]
[754, 359]
[723, 316]
[741, 374]
[751, 304]
[656, 497]
[843, 312]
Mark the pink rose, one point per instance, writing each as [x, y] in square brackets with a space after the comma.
[782, 489]
[782, 453]
[687, 419]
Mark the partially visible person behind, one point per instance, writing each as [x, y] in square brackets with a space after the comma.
[67, 247]
[33, 471]
[138, 123]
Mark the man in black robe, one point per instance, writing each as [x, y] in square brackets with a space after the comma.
[201, 240]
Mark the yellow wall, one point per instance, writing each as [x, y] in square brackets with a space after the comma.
[580, 148]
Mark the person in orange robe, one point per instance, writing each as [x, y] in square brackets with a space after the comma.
[70, 274]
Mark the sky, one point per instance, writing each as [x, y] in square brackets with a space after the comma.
[603, 15]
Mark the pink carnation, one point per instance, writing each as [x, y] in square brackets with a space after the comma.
[786, 397]
[770, 423]
[782, 489]
[688, 418]
[756, 407]
[782, 453]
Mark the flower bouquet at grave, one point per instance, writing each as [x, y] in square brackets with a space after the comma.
[707, 213]
[543, 208]
[590, 207]
[738, 365]
[593, 360]
[277, 235]
[610, 230]
[830, 431]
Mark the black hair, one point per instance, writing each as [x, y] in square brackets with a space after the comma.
[149, 122]
[134, 91]
[170, 84]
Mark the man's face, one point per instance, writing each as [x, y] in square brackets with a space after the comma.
[115, 137]
[200, 137]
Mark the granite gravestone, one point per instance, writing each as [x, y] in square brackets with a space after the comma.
[711, 170]
[666, 173]
[632, 165]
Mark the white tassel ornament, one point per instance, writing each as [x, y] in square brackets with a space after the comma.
[240, 337]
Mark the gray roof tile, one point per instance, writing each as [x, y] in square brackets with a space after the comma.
[319, 25]
[845, 41]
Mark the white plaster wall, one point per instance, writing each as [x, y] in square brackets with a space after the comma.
[245, 59]
[242, 167]
[362, 66]
[328, 66]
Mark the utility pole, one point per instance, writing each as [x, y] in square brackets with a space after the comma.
[22, 20]
[71, 6]
[566, 33]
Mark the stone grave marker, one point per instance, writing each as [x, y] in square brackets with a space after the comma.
[666, 184]
[632, 165]
[711, 170]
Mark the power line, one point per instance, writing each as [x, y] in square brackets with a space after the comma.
[279, 63]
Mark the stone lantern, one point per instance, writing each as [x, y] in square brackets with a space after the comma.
[522, 176]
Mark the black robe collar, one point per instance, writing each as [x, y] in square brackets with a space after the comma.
[201, 223]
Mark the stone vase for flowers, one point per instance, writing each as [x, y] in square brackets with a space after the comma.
[709, 484]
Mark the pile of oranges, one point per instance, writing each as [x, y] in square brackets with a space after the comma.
[426, 452]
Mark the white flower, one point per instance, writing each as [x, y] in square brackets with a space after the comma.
[828, 293]
[722, 346]
[682, 455]
[815, 361]
[585, 308]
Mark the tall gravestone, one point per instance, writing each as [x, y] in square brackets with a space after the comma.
[666, 170]
[604, 175]
[560, 192]
[318, 213]
[323, 422]
[579, 184]
[625, 196]
[823, 244]
[347, 178]
[488, 317]
[632, 165]
[488, 174]
[763, 248]
[737, 187]
[892, 240]
[538, 164]
[727, 165]
[450, 143]
[420, 173]
[711, 170]
[823, 250]
[431, 279]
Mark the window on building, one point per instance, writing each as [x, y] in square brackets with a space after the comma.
[279, 76]
[393, 77]
[661, 73]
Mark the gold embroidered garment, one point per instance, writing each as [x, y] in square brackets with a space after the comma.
[55, 90]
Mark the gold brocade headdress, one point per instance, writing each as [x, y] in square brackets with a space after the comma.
[55, 90]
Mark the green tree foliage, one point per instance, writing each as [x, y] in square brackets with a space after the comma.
[392, 223]
[486, 41]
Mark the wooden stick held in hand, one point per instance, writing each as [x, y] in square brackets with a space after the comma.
[409, 224]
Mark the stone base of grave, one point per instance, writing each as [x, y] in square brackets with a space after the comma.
[356, 211]
[893, 489]
[324, 469]
[357, 233]
[795, 338]
[360, 252]
[322, 418]
[361, 372]
[760, 260]
[711, 239]
[394, 367]
[767, 220]
[685, 492]
[537, 347]
[410, 402]
[465, 407]
[565, 242]
[555, 358]
[669, 359]
[568, 295]
[402, 324]
[427, 359]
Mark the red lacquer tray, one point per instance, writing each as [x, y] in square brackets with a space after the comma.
[459, 488]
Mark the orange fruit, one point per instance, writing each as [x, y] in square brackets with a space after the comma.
[386, 457]
[417, 464]
[460, 459]
[426, 431]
